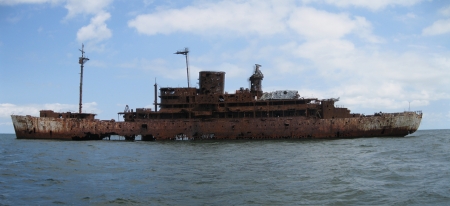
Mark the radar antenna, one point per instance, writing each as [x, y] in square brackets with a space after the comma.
[81, 61]
[185, 53]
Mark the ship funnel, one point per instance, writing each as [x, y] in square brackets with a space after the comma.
[256, 82]
[211, 82]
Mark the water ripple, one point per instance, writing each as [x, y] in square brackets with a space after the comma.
[374, 171]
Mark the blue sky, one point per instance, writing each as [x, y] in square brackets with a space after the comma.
[385, 55]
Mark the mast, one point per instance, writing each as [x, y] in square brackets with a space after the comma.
[185, 53]
[81, 61]
[156, 96]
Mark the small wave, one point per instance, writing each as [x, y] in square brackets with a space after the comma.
[123, 201]
[50, 182]
[71, 160]
[365, 145]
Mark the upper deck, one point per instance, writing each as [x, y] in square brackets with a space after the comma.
[51, 113]
[210, 101]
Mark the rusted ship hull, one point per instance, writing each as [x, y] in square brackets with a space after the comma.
[388, 124]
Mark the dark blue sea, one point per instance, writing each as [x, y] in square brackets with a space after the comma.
[413, 170]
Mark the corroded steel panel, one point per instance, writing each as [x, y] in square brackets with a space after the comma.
[211, 82]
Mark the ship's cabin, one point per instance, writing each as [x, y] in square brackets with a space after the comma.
[52, 114]
[211, 101]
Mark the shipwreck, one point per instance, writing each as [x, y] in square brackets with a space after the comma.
[208, 112]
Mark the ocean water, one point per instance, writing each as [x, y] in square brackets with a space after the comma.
[413, 170]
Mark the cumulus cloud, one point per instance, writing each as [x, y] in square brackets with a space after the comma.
[313, 23]
[326, 39]
[372, 5]
[437, 28]
[260, 18]
[7, 109]
[360, 75]
[316, 24]
[97, 30]
[76, 7]
[384, 79]
[220, 18]
[15, 2]
[441, 26]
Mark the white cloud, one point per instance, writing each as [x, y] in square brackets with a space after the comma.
[90, 107]
[15, 2]
[378, 79]
[438, 27]
[363, 29]
[235, 18]
[97, 30]
[321, 42]
[331, 49]
[315, 24]
[7, 109]
[445, 11]
[372, 5]
[242, 18]
[76, 7]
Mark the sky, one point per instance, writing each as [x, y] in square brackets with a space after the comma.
[380, 55]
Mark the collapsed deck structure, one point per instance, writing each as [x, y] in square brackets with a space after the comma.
[207, 112]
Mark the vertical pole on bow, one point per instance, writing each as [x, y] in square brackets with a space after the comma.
[81, 61]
